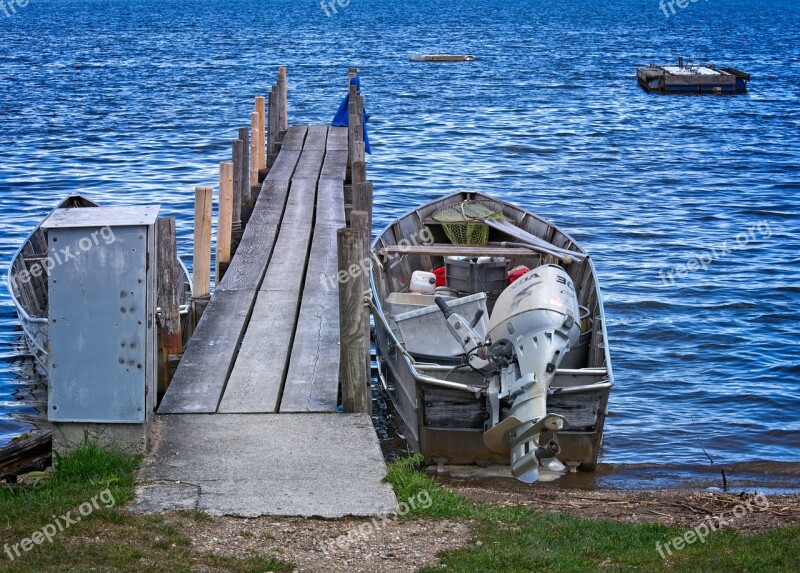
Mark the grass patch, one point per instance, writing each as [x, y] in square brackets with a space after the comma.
[516, 539]
[107, 538]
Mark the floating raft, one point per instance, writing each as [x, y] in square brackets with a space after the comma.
[692, 79]
[442, 58]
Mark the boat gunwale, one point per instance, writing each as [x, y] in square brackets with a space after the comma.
[21, 311]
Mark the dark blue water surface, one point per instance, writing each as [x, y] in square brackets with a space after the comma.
[136, 102]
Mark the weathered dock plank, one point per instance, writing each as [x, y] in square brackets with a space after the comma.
[256, 382]
[283, 168]
[312, 381]
[316, 137]
[335, 165]
[248, 265]
[310, 164]
[209, 355]
[294, 138]
[337, 139]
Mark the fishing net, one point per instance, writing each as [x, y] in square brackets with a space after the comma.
[463, 222]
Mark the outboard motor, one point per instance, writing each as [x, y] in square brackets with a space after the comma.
[533, 325]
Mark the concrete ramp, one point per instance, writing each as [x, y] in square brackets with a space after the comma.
[251, 465]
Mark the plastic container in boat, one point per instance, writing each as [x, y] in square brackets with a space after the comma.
[423, 282]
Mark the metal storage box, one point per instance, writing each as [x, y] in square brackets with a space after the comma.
[471, 277]
[425, 333]
[102, 305]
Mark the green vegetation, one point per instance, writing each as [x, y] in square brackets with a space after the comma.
[516, 540]
[107, 538]
[504, 539]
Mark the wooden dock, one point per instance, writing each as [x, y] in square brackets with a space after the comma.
[281, 342]
[268, 340]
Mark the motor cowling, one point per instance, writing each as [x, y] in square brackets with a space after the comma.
[538, 315]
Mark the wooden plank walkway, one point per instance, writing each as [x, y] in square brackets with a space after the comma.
[268, 340]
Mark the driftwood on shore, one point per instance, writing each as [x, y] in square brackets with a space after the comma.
[29, 452]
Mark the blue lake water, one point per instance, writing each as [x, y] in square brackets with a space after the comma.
[129, 101]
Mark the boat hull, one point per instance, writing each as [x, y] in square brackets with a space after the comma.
[442, 411]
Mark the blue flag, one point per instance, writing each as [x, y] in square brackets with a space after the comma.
[341, 119]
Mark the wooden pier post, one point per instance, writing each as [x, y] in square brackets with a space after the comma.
[254, 119]
[360, 221]
[362, 200]
[353, 323]
[353, 126]
[201, 275]
[237, 156]
[168, 279]
[273, 124]
[224, 219]
[284, 100]
[261, 135]
[244, 178]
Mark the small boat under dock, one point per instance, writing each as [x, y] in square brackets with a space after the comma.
[692, 79]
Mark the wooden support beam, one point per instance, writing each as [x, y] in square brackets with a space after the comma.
[362, 199]
[353, 323]
[273, 124]
[449, 250]
[284, 100]
[237, 156]
[359, 220]
[352, 127]
[244, 178]
[169, 278]
[224, 219]
[261, 131]
[201, 277]
[358, 173]
[254, 119]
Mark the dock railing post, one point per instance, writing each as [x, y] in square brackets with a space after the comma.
[244, 178]
[237, 156]
[273, 124]
[360, 221]
[224, 219]
[283, 124]
[261, 162]
[353, 322]
[352, 129]
[201, 276]
[168, 280]
[255, 186]
[362, 201]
